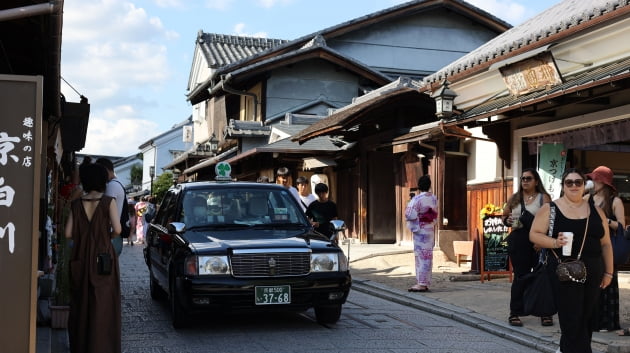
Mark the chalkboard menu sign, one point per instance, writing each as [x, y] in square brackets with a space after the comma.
[494, 254]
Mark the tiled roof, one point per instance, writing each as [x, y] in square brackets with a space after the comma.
[223, 49]
[558, 20]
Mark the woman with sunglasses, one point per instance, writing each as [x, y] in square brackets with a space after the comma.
[577, 302]
[604, 195]
[519, 213]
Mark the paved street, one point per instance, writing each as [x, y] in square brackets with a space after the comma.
[368, 324]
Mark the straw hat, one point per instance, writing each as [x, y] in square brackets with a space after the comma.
[603, 175]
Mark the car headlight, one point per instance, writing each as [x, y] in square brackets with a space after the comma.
[326, 262]
[207, 265]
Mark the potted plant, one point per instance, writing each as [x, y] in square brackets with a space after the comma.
[60, 303]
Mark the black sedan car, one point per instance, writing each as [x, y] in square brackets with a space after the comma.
[233, 246]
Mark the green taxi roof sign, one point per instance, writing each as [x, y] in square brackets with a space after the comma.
[223, 170]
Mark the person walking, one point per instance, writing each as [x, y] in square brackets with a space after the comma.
[303, 191]
[94, 324]
[604, 196]
[322, 211]
[283, 176]
[141, 208]
[577, 302]
[519, 213]
[420, 214]
[116, 190]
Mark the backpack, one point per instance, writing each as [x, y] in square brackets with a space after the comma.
[124, 216]
[148, 216]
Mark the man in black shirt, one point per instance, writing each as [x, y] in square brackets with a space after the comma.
[322, 211]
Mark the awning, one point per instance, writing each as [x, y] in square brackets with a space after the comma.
[586, 136]
[318, 162]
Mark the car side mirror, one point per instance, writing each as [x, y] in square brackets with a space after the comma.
[176, 227]
[338, 226]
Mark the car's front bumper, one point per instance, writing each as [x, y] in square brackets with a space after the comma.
[198, 294]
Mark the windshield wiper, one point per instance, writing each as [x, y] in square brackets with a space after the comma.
[286, 225]
[219, 226]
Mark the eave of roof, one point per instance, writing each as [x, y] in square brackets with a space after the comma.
[603, 75]
[558, 22]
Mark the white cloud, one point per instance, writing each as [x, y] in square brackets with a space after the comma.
[169, 3]
[219, 4]
[117, 132]
[115, 53]
[239, 30]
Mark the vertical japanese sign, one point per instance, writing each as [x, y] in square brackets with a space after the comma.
[20, 168]
[553, 157]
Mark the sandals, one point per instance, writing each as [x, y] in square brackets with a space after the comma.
[546, 321]
[624, 332]
[514, 320]
[418, 288]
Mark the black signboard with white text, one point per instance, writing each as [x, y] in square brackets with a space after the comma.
[494, 254]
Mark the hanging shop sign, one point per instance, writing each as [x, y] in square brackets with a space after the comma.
[530, 75]
[20, 168]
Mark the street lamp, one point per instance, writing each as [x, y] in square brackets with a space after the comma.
[152, 174]
[176, 173]
[214, 143]
[444, 98]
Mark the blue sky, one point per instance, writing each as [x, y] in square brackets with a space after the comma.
[132, 58]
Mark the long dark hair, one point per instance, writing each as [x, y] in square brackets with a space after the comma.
[518, 196]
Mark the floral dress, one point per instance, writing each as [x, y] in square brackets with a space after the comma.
[420, 214]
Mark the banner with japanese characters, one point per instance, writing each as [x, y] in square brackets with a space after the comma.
[20, 168]
[553, 157]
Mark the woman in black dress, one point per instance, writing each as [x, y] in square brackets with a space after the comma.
[577, 302]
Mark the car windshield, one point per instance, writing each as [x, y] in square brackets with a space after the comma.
[243, 207]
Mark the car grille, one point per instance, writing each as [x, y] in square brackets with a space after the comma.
[272, 264]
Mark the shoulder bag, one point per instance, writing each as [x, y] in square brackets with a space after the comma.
[621, 245]
[539, 297]
[573, 269]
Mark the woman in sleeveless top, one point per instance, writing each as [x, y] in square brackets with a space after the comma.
[531, 194]
[604, 197]
[577, 302]
[95, 318]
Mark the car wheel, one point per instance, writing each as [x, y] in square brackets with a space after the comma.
[178, 316]
[328, 314]
[157, 292]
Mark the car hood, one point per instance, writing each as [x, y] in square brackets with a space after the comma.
[202, 241]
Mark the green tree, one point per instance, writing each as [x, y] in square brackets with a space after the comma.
[161, 185]
[136, 174]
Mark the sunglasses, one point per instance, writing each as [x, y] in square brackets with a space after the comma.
[527, 178]
[576, 182]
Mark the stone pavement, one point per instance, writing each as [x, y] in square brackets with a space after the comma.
[387, 270]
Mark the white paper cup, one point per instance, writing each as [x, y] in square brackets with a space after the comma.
[566, 249]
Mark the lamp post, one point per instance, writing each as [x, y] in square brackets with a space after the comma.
[152, 174]
[444, 98]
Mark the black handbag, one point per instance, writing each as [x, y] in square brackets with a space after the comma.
[573, 269]
[539, 297]
[103, 264]
[621, 245]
